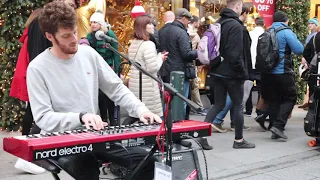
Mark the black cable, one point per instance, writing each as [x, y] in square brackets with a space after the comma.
[204, 156]
[130, 167]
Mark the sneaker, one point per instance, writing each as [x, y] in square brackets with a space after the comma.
[274, 136]
[218, 128]
[243, 145]
[278, 132]
[260, 120]
[247, 114]
[245, 128]
[29, 167]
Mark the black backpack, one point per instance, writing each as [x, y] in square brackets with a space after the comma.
[268, 51]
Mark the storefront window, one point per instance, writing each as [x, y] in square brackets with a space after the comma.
[118, 15]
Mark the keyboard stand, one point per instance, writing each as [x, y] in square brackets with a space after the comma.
[141, 165]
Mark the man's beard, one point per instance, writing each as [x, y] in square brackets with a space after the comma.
[66, 49]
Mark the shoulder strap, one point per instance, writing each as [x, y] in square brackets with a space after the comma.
[280, 29]
[134, 59]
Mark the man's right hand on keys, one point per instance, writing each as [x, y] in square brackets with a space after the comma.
[93, 120]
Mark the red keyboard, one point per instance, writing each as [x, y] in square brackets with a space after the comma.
[59, 144]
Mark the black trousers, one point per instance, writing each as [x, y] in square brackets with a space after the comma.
[27, 120]
[279, 91]
[106, 107]
[234, 88]
[86, 166]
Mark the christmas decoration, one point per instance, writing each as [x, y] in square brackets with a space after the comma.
[13, 15]
[137, 10]
[298, 14]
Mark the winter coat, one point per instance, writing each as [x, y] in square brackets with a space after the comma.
[19, 84]
[174, 39]
[145, 53]
[234, 47]
[100, 46]
[288, 42]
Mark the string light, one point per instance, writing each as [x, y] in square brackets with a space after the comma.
[13, 15]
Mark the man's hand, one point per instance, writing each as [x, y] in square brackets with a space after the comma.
[149, 116]
[93, 120]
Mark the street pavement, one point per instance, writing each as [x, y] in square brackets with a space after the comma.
[270, 160]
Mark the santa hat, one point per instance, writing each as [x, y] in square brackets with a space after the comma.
[137, 10]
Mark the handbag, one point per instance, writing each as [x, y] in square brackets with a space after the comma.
[190, 71]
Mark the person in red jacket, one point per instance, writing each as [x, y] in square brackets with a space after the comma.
[19, 85]
[19, 90]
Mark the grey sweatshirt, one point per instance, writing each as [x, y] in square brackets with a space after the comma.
[60, 89]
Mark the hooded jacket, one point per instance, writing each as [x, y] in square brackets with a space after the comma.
[234, 41]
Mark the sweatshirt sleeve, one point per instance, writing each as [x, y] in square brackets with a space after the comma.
[41, 107]
[114, 88]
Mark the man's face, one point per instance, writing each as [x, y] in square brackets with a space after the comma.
[185, 21]
[66, 40]
[239, 8]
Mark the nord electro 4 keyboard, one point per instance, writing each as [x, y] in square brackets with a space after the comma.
[54, 145]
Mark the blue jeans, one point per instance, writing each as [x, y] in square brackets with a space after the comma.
[186, 88]
[219, 118]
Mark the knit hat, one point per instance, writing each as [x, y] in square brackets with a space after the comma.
[314, 21]
[99, 18]
[280, 16]
[137, 10]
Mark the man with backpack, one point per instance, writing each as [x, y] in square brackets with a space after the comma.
[230, 69]
[278, 87]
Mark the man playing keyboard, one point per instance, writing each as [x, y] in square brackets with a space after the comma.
[63, 85]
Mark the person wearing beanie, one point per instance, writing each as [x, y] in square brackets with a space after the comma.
[278, 88]
[312, 25]
[307, 57]
[98, 24]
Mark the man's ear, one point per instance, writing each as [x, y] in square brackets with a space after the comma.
[49, 36]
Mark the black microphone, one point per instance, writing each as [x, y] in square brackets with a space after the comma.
[101, 36]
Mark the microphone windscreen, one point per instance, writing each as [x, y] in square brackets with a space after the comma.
[98, 35]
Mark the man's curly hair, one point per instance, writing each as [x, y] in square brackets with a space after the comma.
[57, 15]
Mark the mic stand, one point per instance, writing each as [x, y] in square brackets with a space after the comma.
[172, 91]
